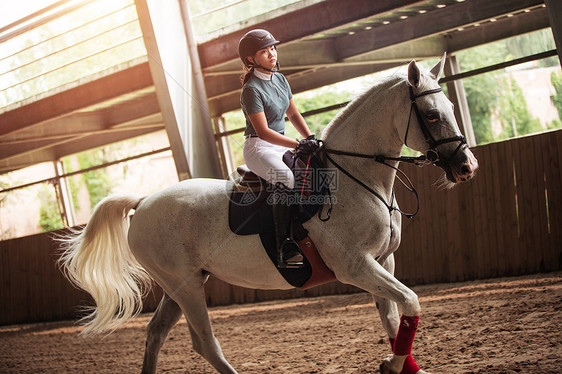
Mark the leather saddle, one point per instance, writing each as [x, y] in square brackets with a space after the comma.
[250, 214]
[248, 180]
[248, 211]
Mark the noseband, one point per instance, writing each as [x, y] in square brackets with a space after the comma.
[432, 155]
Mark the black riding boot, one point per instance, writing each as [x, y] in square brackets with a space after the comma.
[289, 253]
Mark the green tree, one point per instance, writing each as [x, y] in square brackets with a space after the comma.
[532, 43]
[323, 99]
[556, 98]
[4, 233]
[556, 80]
[49, 214]
[516, 117]
[98, 182]
[483, 92]
[497, 96]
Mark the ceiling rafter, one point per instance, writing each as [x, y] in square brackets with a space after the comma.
[48, 150]
[431, 23]
[66, 102]
[343, 40]
[417, 32]
[299, 24]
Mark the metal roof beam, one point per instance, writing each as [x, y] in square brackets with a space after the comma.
[226, 84]
[304, 81]
[420, 37]
[60, 127]
[501, 29]
[429, 47]
[299, 24]
[554, 10]
[52, 150]
[71, 100]
[314, 54]
[17, 148]
[431, 23]
[128, 113]
[73, 134]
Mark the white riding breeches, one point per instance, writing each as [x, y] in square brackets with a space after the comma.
[266, 160]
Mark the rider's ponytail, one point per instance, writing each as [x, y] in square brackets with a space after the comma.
[246, 75]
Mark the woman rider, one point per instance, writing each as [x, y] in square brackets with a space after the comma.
[265, 99]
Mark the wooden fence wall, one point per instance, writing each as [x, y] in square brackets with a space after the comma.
[506, 221]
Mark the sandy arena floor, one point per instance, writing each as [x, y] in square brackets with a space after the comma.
[507, 325]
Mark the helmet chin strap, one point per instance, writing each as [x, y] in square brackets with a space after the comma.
[274, 70]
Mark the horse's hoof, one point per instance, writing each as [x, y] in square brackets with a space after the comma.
[385, 369]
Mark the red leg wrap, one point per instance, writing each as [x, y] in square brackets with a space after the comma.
[406, 333]
[410, 366]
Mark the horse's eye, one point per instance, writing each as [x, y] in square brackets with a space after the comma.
[432, 117]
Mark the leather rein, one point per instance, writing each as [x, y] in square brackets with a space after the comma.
[432, 155]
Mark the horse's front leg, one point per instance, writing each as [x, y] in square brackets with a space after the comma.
[390, 318]
[369, 275]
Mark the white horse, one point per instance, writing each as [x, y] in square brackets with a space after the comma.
[179, 236]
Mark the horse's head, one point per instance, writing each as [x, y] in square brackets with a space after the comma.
[432, 128]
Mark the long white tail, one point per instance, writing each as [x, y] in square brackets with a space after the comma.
[98, 260]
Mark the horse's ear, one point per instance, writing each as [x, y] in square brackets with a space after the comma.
[414, 74]
[437, 70]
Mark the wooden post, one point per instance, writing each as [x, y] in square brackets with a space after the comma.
[458, 97]
[64, 197]
[554, 8]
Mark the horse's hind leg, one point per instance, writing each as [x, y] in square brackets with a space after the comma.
[191, 298]
[165, 317]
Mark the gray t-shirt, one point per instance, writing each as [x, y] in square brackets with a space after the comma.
[268, 96]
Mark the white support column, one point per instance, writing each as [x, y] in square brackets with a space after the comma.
[554, 8]
[183, 106]
[64, 197]
[458, 96]
[204, 150]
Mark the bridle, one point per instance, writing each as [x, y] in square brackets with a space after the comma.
[432, 155]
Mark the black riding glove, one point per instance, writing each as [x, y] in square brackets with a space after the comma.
[308, 146]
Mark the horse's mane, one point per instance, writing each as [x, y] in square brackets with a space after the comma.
[379, 87]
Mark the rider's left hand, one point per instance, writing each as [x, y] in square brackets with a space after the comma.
[308, 146]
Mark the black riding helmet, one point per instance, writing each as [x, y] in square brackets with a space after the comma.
[252, 42]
